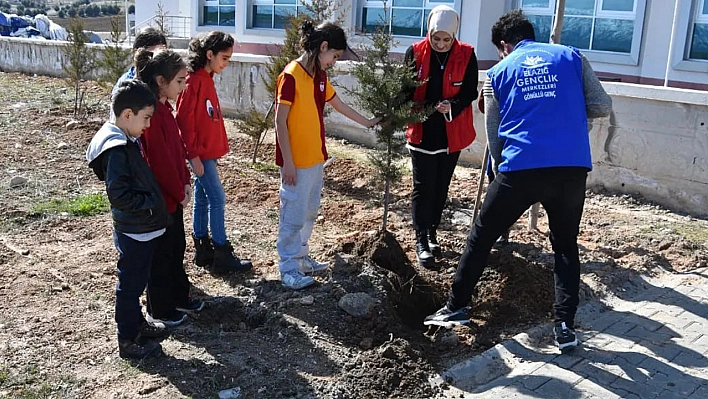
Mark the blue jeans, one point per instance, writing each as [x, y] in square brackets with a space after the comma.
[134, 262]
[209, 203]
[298, 210]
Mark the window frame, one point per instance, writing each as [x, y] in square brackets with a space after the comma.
[201, 4]
[698, 16]
[610, 57]
[299, 4]
[427, 5]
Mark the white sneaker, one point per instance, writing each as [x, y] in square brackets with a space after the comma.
[295, 280]
[311, 266]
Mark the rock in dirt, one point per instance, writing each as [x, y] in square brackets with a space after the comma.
[449, 339]
[359, 304]
[366, 343]
[72, 124]
[664, 245]
[18, 181]
[231, 393]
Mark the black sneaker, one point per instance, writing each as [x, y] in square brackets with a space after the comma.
[175, 319]
[153, 330]
[433, 243]
[191, 306]
[446, 317]
[138, 348]
[565, 337]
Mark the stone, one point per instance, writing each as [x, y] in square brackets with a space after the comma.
[72, 124]
[62, 145]
[366, 343]
[307, 300]
[231, 393]
[449, 339]
[358, 304]
[18, 181]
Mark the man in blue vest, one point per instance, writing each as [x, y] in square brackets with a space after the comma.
[538, 99]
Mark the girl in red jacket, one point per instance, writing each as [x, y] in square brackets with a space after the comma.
[202, 126]
[168, 288]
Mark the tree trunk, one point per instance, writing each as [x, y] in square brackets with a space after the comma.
[260, 138]
[387, 189]
[558, 22]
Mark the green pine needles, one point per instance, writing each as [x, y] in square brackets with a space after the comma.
[385, 88]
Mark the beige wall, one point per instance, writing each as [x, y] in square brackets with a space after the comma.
[655, 143]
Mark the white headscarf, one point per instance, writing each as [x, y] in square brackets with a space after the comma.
[443, 19]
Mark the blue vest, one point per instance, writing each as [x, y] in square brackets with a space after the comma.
[542, 107]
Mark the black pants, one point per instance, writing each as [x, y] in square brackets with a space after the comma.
[134, 259]
[561, 191]
[169, 285]
[431, 181]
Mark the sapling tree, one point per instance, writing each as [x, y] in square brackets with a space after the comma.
[78, 61]
[384, 89]
[116, 58]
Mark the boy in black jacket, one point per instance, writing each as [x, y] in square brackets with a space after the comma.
[138, 211]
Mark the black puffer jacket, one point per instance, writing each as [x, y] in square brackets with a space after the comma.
[137, 206]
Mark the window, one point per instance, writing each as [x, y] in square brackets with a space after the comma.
[274, 14]
[611, 26]
[219, 13]
[406, 17]
[698, 37]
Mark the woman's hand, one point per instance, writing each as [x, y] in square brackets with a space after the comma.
[443, 107]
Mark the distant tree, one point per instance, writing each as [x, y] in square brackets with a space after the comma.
[116, 59]
[161, 16]
[57, 8]
[61, 14]
[20, 10]
[131, 9]
[78, 62]
[104, 9]
[72, 12]
[93, 11]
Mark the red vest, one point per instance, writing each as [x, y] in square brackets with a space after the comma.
[460, 132]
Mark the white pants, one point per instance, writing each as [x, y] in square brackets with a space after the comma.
[299, 205]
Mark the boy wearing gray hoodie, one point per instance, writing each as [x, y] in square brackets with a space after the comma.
[138, 211]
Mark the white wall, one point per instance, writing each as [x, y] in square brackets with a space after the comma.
[655, 143]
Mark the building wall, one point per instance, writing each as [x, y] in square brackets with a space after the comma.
[655, 143]
[478, 16]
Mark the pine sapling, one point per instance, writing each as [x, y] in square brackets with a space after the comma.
[385, 88]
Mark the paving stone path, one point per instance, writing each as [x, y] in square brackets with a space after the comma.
[652, 346]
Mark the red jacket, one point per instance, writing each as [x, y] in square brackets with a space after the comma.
[163, 149]
[199, 118]
[460, 132]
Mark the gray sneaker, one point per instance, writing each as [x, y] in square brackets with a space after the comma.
[295, 280]
[311, 266]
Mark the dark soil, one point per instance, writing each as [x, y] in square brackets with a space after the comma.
[57, 276]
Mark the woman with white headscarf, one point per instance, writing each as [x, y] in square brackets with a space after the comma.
[449, 69]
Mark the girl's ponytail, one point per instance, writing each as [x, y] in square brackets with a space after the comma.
[215, 41]
[149, 65]
[311, 39]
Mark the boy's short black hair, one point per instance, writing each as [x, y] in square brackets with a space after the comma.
[149, 37]
[512, 28]
[132, 94]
